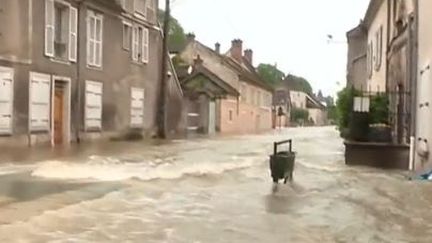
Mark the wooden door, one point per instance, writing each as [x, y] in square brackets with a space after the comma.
[58, 115]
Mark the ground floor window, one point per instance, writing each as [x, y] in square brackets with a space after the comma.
[137, 108]
[39, 103]
[6, 100]
[93, 105]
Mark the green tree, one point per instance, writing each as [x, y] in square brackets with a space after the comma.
[177, 37]
[270, 74]
[299, 115]
[298, 83]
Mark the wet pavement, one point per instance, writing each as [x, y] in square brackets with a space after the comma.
[208, 190]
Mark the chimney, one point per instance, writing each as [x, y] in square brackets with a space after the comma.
[217, 47]
[237, 49]
[190, 37]
[248, 54]
[198, 62]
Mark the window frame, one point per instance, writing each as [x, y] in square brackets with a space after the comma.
[126, 25]
[140, 44]
[92, 18]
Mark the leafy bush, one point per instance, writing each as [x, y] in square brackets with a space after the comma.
[379, 111]
[348, 122]
[299, 115]
[344, 107]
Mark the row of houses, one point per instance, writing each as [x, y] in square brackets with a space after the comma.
[223, 91]
[80, 70]
[77, 70]
[390, 51]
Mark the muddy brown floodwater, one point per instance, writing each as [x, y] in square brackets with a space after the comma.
[210, 190]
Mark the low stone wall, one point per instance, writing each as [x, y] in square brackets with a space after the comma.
[379, 155]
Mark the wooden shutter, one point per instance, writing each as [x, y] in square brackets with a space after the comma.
[73, 34]
[145, 45]
[6, 100]
[93, 109]
[49, 28]
[137, 107]
[40, 100]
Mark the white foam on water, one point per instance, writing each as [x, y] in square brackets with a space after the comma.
[114, 170]
[8, 169]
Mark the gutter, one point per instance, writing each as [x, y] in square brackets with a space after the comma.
[78, 72]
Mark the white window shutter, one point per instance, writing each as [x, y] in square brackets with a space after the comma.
[89, 50]
[49, 28]
[145, 47]
[73, 34]
[93, 101]
[40, 86]
[99, 41]
[6, 100]
[135, 43]
[137, 107]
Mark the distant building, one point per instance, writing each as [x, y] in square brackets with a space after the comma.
[224, 92]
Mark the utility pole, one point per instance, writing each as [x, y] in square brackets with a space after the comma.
[161, 113]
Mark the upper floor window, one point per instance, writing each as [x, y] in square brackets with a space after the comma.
[370, 59]
[378, 48]
[61, 30]
[243, 92]
[127, 35]
[140, 6]
[94, 38]
[140, 44]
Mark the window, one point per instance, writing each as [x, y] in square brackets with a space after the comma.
[230, 115]
[140, 44]
[243, 92]
[61, 30]
[257, 98]
[6, 100]
[40, 102]
[93, 106]
[137, 108]
[378, 48]
[127, 36]
[253, 100]
[370, 59]
[94, 39]
[140, 7]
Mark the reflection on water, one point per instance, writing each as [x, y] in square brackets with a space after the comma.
[211, 191]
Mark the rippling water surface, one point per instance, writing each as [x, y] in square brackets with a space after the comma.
[207, 190]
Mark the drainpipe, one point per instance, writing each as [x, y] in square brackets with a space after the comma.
[387, 45]
[78, 72]
[414, 34]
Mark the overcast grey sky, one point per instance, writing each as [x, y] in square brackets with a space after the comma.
[291, 33]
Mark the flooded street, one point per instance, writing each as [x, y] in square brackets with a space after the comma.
[211, 191]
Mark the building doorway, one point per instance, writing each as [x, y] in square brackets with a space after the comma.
[60, 122]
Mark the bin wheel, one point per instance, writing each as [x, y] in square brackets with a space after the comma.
[289, 178]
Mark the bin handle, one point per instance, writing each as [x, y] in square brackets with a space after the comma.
[276, 144]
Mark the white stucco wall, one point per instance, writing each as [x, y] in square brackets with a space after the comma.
[424, 86]
[318, 116]
[298, 99]
[377, 80]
